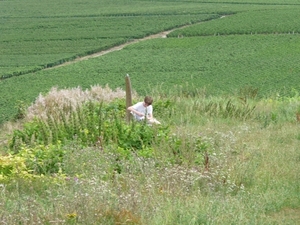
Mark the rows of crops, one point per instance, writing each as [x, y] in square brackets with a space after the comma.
[260, 2]
[252, 22]
[51, 42]
[221, 64]
[37, 34]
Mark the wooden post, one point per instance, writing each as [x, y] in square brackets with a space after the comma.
[128, 97]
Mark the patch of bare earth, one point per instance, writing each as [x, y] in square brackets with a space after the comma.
[287, 215]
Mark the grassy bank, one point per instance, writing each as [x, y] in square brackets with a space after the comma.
[249, 173]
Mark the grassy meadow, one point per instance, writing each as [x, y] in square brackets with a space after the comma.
[214, 160]
[226, 89]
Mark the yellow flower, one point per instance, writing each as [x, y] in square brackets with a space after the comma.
[71, 215]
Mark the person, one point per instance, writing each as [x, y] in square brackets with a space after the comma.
[143, 110]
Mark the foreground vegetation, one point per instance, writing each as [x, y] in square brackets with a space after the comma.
[214, 160]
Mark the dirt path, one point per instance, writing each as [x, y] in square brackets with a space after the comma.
[120, 47]
[116, 48]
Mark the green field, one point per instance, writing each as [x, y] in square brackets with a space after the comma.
[264, 21]
[36, 35]
[226, 87]
[50, 42]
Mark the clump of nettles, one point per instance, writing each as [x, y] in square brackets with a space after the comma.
[66, 100]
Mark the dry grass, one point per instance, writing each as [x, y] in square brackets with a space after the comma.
[67, 100]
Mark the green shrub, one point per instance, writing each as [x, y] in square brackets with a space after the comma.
[92, 124]
[43, 159]
[10, 166]
[102, 124]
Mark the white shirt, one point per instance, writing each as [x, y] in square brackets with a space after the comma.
[142, 109]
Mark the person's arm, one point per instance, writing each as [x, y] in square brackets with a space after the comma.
[150, 114]
[131, 109]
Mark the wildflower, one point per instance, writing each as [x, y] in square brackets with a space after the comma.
[71, 215]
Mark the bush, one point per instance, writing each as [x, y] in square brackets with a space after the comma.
[10, 165]
[43, 159]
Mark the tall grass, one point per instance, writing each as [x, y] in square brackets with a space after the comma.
[251, 176]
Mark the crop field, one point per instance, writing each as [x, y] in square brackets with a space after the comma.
[220, 64]
[48, 43]
[38, 34]
[282, 21]
[35, 35]
[256, 44]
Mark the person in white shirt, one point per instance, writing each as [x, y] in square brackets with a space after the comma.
[142, 110]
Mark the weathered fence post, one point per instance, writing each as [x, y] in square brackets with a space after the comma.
[128, 97]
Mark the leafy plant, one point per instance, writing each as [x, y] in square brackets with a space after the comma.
[12, 166]
[43, 159]
[92, 124]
